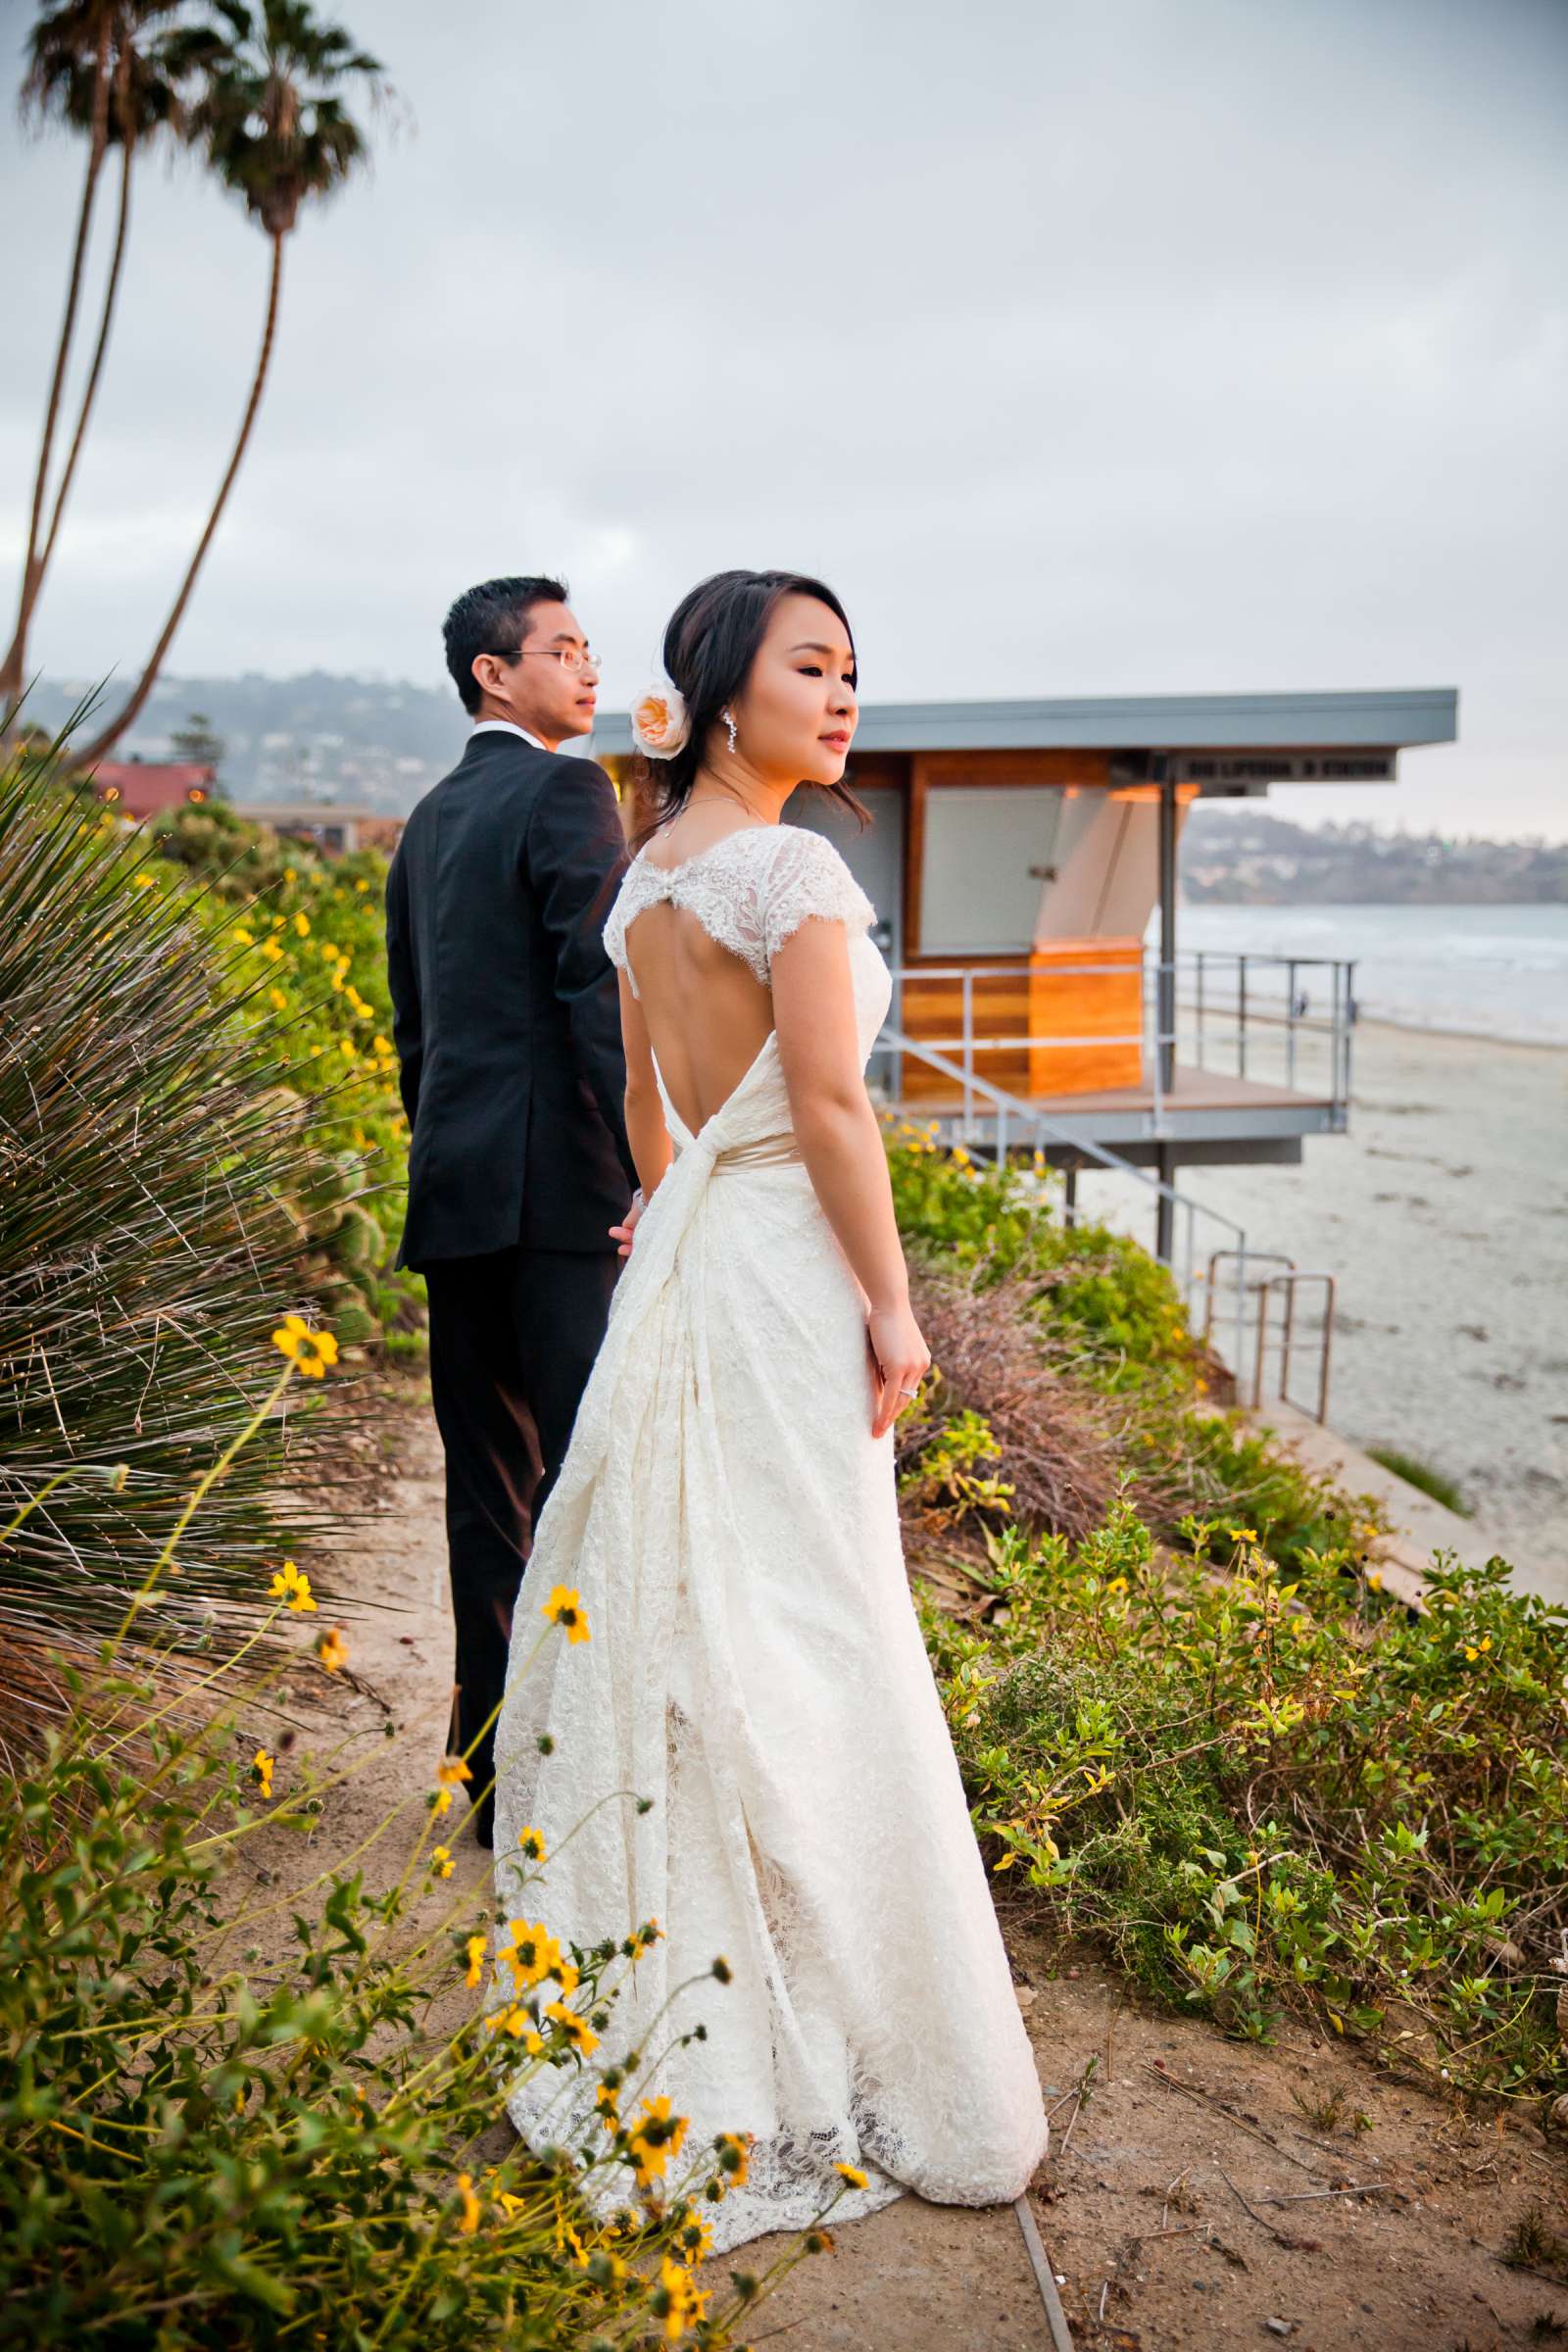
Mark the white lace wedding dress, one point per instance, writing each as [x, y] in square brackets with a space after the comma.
[756, 1668]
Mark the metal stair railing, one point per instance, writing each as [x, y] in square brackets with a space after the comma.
[1010, 1114]
[1285, 1281]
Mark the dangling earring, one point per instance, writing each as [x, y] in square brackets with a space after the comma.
[730, 723]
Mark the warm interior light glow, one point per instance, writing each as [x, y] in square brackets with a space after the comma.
[1152, 792]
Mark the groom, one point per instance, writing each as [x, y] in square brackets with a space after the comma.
[507, 1032]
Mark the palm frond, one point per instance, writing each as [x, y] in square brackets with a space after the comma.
[148, 1165]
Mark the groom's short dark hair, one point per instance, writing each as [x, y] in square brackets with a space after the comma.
[492, 619]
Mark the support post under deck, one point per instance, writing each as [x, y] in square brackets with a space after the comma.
[1166, 993]
[1165, 1206]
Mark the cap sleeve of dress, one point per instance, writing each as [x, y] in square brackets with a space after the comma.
[808, 878]
[614, 930]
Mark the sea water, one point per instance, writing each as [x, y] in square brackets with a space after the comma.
[1479, 971]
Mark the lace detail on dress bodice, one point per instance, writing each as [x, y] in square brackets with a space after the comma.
[750, 891]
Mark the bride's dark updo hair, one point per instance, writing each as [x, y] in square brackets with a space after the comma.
[709, 646]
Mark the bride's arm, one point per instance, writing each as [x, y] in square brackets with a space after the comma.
[841, 1143]
[646, 1132]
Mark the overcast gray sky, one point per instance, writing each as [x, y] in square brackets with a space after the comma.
[1084, 345]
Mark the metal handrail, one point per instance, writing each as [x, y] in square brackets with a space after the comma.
[1216, 1258]
[1217, 1030]
[1287, 1279]
[1287, 1283]
[1008, 1109]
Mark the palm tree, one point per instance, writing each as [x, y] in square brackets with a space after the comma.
[91, 66]
[277, 135]
[68, 58]
[143, 101]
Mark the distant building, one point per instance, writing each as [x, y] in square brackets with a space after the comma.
[141, 788]
[333, 829]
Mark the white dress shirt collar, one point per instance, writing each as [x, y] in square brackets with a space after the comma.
[505, 726]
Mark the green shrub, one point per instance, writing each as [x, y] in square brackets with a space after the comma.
[1267, 1793]
[1093, 1289]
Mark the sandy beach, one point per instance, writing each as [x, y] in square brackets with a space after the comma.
[1443, 1213]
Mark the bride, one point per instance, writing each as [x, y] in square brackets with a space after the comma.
[726, 1524]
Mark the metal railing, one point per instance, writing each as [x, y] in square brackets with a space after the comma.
[1013, 1123]
[1280, 1020]
[1285, 1280]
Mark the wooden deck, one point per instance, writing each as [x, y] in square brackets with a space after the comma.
[1207, 1115]
[1193, 1089]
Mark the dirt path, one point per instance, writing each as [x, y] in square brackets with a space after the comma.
[1153, 2204]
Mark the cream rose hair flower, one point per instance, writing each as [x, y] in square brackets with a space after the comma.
[660, 726]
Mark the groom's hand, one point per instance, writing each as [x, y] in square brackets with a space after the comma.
[622, 1233]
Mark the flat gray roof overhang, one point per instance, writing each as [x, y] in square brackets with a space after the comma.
[1387, 720]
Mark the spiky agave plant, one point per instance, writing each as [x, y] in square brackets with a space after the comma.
[148, 1161]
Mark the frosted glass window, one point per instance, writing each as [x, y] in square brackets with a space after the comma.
[981, 842]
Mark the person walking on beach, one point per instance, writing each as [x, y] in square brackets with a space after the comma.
[508, 1033]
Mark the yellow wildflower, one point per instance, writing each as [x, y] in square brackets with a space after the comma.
[853, 2173]
[734, 2149]
[451, 1770]
[289, 874]
[609, 2106]
[695, 2240]
[533, 1845]
[145, 881]
[655, 2137]
[313, 1351]
[332, 1651]
[442, 1864]
[362, 885]
[564, 1608]
[291, 1586]
[345, 1045]
[475, 1949]
[533, 1952]
[577, 2030]
[302, 924]
[278, 999]
[247, 938]
[382, 1044]
[262, 1770]
[271, 950]
[471, 2208]
[516, 2022]
[1241, 1534]
[676, 2301]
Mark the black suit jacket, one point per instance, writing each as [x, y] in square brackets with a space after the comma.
[506, 1011]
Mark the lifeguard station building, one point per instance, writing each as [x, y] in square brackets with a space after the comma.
[1017, 853]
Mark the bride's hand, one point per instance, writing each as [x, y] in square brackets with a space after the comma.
[900, 1358]
[624, 1234]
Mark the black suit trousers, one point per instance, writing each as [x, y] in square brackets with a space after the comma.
[513, 1339]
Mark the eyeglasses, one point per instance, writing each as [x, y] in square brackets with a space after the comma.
[572, 657]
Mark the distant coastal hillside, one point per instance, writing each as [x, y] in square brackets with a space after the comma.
[381, 743]
[1243, 856]
[376, 744]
